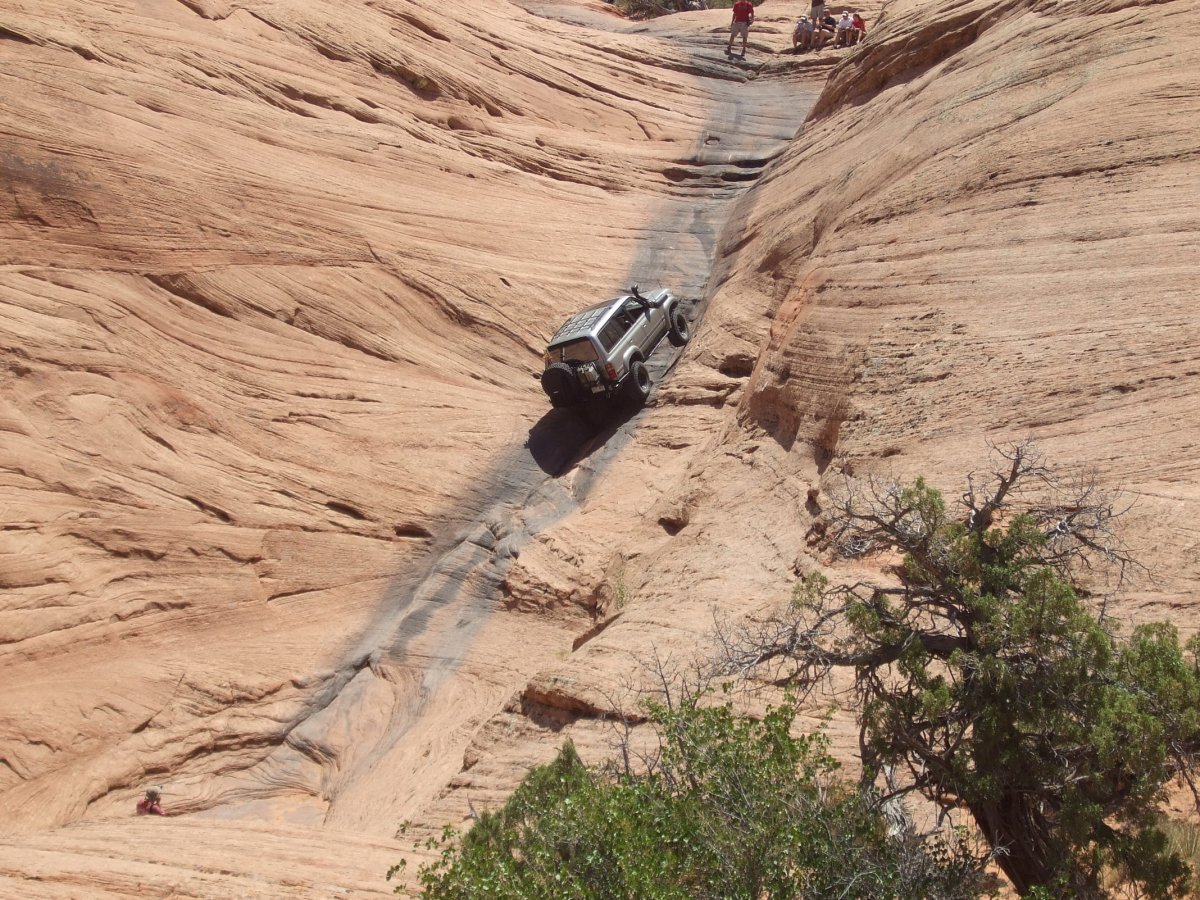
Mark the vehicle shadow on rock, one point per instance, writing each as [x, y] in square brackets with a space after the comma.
[597, 374]
[563, 438]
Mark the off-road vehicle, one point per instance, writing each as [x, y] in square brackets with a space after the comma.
[601, 352]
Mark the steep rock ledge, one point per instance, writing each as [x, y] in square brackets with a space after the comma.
[269, 311]
[972, 247]
[230, 371]
[985, 232]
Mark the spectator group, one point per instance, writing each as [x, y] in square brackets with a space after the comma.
[814, 31]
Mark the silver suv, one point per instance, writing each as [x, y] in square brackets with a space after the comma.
[602, 351]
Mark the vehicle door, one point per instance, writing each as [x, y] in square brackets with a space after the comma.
[660, 321]
[641, 333]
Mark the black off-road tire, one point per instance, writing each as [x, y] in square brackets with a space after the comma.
[678, 333]
[558, 381]
[637, 383]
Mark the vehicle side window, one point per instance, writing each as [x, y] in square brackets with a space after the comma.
[615, 330]
[634, 308]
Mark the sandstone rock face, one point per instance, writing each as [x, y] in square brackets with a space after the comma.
[984, 233]
[962, 246]
[286, 525]
[276, 282]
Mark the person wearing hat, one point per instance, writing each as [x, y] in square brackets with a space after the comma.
[150, 805]
[845, 29]
[802, 37]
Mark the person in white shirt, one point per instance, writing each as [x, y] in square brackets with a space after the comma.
[845, 28]
[802, 37]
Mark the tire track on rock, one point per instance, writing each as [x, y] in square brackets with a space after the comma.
[429, 618]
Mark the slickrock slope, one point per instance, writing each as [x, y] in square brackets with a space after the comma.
[274, 281]
[986, 232]
[285, 525]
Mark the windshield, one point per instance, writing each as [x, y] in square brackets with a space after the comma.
[581, 350]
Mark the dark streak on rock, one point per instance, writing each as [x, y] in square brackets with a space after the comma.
[209, 508]
[346, 509]
[9, 35]
[412, 530]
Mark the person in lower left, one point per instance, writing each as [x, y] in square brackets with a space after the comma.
[151, 804]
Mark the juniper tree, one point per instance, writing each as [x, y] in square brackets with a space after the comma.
[987, 676]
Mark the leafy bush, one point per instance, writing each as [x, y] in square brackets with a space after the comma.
[731, 807]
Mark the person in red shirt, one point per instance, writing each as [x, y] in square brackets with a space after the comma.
[150, 805]
[860, 28]
[743, 15]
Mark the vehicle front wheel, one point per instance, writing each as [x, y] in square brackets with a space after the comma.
[678, 334]
[637, 387]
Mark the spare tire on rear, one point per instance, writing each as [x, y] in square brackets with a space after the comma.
[558, 381]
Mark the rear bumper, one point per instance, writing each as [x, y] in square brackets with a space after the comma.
[588, 393]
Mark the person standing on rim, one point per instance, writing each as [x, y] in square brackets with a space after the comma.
[817, 13]
[743, 16]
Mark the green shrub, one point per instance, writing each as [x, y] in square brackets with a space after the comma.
[731, 807]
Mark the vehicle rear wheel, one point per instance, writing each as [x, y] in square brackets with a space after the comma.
[637, 387]
[558, 381]
[678, 334]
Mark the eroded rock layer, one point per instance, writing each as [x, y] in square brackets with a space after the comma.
[286, 527]
[276, 279]
[985, 233]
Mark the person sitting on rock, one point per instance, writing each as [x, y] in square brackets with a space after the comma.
[845, 30]
[802, 37]
[150, 805]
[860, 28]
[824, 30]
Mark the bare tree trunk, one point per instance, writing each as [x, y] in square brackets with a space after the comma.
[1020, 835]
